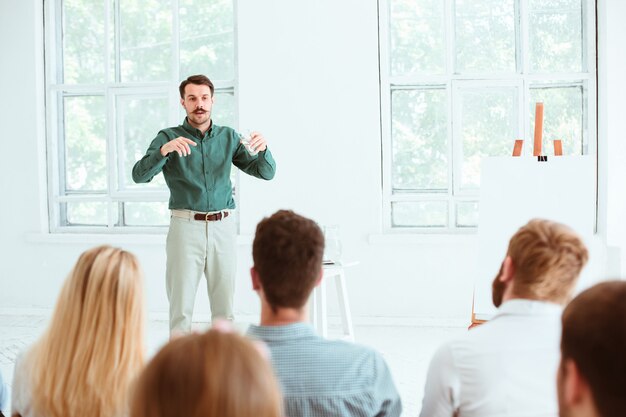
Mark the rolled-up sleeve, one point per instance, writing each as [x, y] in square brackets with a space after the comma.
[261, 165]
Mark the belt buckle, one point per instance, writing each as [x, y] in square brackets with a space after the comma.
[218, 216]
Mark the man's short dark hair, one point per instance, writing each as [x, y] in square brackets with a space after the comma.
[594, 337]
[195, 79]
[287, 253]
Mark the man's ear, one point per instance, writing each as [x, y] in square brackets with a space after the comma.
[508, 270]
[573, 385]
[256, 282]
[318, 281]
[182, 102]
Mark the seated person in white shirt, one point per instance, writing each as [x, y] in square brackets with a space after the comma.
[592, 375]
[507, 366]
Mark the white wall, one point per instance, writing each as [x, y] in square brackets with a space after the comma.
[612, 124]
[308, 79]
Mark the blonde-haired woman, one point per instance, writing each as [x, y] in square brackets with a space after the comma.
[90, 355]
[214, 374]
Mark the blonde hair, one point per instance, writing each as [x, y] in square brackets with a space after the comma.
[86, 362]
[547, 259]
[214, 374]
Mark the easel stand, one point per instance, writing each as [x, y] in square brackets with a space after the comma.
[517, 152]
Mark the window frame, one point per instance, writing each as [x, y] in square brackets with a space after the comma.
[452, 81]
[111, 89]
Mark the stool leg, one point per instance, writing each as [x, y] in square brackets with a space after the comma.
[344, 306]
[322, 318]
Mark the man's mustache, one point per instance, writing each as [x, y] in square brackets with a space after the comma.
[199, 111]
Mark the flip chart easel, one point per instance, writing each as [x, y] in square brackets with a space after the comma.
[516, 190]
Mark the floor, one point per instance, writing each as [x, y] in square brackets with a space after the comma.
[407, 349]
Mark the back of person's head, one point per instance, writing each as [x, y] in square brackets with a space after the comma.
[593, 344]
[547, 259]
[214, 374]
[93, 349]
[287, 253]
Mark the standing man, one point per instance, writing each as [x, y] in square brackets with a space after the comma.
[196, 158]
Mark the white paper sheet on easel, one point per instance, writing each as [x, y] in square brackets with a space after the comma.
[515, 190]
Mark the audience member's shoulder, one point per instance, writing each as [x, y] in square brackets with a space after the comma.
[471, 339]
[23, 359]
[351, 349]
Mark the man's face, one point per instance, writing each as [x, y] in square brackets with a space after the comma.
[198, 103]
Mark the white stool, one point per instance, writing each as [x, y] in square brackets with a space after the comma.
[318, 301]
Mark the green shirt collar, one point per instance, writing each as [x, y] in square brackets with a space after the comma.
[196, 132]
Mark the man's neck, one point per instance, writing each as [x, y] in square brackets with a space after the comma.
[204, 127]
[512, 296]
[282, 316]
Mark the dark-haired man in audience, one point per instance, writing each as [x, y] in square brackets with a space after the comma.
[319, 377]
[592, 375]
[507, 366]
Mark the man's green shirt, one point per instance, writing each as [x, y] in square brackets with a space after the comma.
[200, 181]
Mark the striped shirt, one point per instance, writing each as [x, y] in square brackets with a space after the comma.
[321, 377]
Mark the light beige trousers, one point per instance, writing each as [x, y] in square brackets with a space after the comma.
[194, 248]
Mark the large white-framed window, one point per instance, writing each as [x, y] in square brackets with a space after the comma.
[113, 68]
[459, 81]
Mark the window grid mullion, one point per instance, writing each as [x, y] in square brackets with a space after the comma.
[450, 35]
[113, 158]
[175, 41]
[117, 41]
[107, 45]
[385, 109]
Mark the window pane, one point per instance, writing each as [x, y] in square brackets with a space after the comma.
[139, 121]
[224, 109]
[84, 41]
[420, 214]
[207, 39]
[146, 40]
[419, 140]
[485, 36]
[555, 32]
[87, 213]
[146, 214]
[417, 37]
[562, 118]
[467, 214]
[488, 127]
[85, 143]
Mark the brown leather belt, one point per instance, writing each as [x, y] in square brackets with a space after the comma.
[210, 217]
